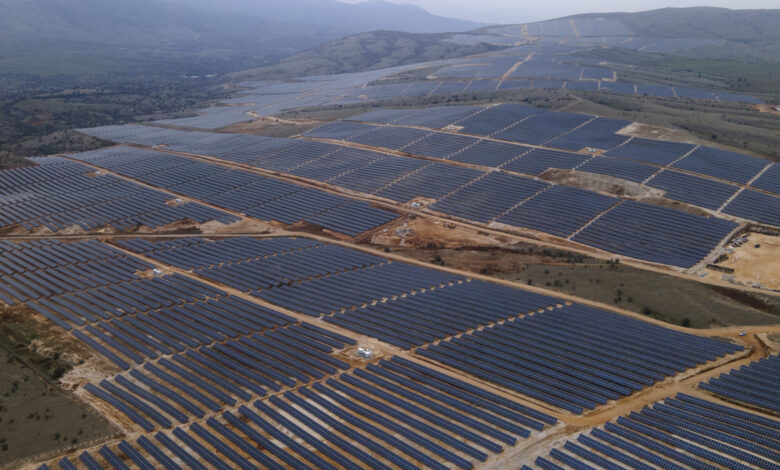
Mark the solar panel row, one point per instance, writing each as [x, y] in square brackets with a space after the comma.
[754, 384]
[220, 374]
[489, 196]
[575, 357]
[396, 413]
[259, 197]
[680, 432]
[90, 201]
[655, 234]
[434, 314]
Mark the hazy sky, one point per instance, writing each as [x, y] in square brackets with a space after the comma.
[520, 11]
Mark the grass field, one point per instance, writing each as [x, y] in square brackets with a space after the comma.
[35, 416]
[36, 419]
[661, 296]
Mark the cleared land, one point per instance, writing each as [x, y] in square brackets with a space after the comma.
[755, 262]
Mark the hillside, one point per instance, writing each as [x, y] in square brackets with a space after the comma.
[697, 22]
[93, 36]
[719, 23]
[365, 51]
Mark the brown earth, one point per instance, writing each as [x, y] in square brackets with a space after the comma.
[647, 131]
[421, 232]
[757, 261]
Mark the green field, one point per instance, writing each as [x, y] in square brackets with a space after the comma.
[36, 417]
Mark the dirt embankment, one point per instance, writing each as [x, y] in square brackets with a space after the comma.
[420, 232]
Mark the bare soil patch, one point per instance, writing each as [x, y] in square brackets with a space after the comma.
[757, 261]
[646, 131]
[428, 233]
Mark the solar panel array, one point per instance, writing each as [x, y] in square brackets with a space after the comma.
[288, 268]
[195, 252]
[543, 127]
[168, 333]
[438, 116]
[533, 126]
[754, 384]
[378, 174]
[336, 164]
[393, 138]
[575, 357]
[239, 191]
[656, 234]
[326, 295]
[409, 306]
[680, 432]
[559, 211]
[496, 118]
[188, 350]
[769, 180]
[439, 313]
[652, 151]
[619, 168]
[599, 133]
[59, 194]
[342, 130]
[693, 189]
[729, 166]
[537, 161]
[209, 375]
[433, 181]
[382, 116]
[754, 205]
[489, 197]
[234, 369]
[396, 413]
[212, 118]
[440, 145]
[40, 269]
[489, 153]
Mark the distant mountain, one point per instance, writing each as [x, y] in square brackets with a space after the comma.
[70, 36]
